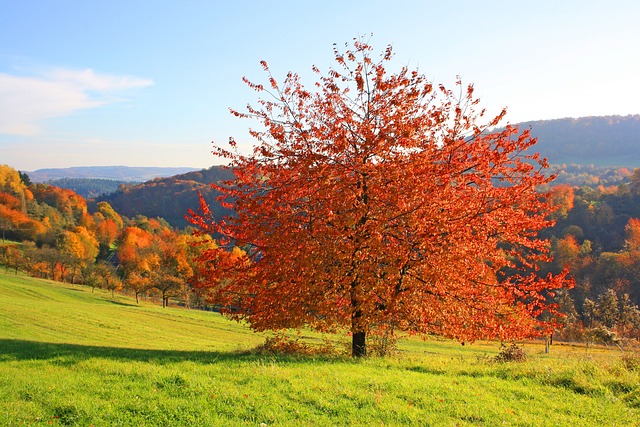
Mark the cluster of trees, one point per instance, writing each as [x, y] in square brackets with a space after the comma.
[597, 237]
[63, 241]
[579, 175]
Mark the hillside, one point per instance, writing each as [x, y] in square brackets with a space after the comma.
[89, 187]
[601, 141]
[169, 198]
[72, 357]
[585, 151]
[52, 312]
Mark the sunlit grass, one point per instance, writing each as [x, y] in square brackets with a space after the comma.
[72, 357]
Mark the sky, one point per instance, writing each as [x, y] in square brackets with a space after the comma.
[150, 82]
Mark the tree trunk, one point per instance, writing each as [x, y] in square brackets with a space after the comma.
[359, 344]
[358, 335]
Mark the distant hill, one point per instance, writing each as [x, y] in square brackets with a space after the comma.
[89, 187]
[171, 197]
[600, 141]
[117, 173]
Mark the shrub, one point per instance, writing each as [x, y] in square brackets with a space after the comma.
[383, 341]
[601, 335]
[631, 361]
[511, 353]
[280, 344]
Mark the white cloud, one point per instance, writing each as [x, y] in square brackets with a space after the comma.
[25, 101]
[87, 79]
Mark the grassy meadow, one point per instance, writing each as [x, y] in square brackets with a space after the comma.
[72, 357]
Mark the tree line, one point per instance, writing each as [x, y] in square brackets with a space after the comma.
[61, 240]
[597, 237]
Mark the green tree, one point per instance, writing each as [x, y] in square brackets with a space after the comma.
[11, 256]
[589, 312]
[607, 308]
[89, 276]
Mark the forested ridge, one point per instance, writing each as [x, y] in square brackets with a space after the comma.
[90, 188]
[117, 173]
[50, 232]
[600, 140]
[168, 198]
[587, 151]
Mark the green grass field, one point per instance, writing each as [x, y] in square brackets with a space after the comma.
[72, 357]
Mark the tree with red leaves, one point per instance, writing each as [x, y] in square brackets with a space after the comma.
[381, 201]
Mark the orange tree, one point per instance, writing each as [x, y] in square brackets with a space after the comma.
[381, 201]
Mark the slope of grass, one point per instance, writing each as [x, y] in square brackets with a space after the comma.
[72, 357]
[39, 310]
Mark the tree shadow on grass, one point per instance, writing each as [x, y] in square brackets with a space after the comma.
[69, 354]
[126, 304]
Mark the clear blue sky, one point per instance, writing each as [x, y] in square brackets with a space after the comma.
[149, 83]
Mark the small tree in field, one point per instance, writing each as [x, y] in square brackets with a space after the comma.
[377, 201]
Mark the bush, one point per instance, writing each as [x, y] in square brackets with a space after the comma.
[280, 344]
[383, 342]
[601, 335]
[631, 361]
[511, 353]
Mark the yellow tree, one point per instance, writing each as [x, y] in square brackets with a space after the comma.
[136, 259]
[173, 272]
[10, 180]
[562, 198]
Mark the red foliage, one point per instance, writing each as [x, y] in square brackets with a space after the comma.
[562, 198]
[107, 231]
[380, 201]
[65, 200]
[9, 200]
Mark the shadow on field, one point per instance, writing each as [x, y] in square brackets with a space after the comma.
[72, 353]
[126, 304]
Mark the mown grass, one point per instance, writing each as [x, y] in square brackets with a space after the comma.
[72, 357]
